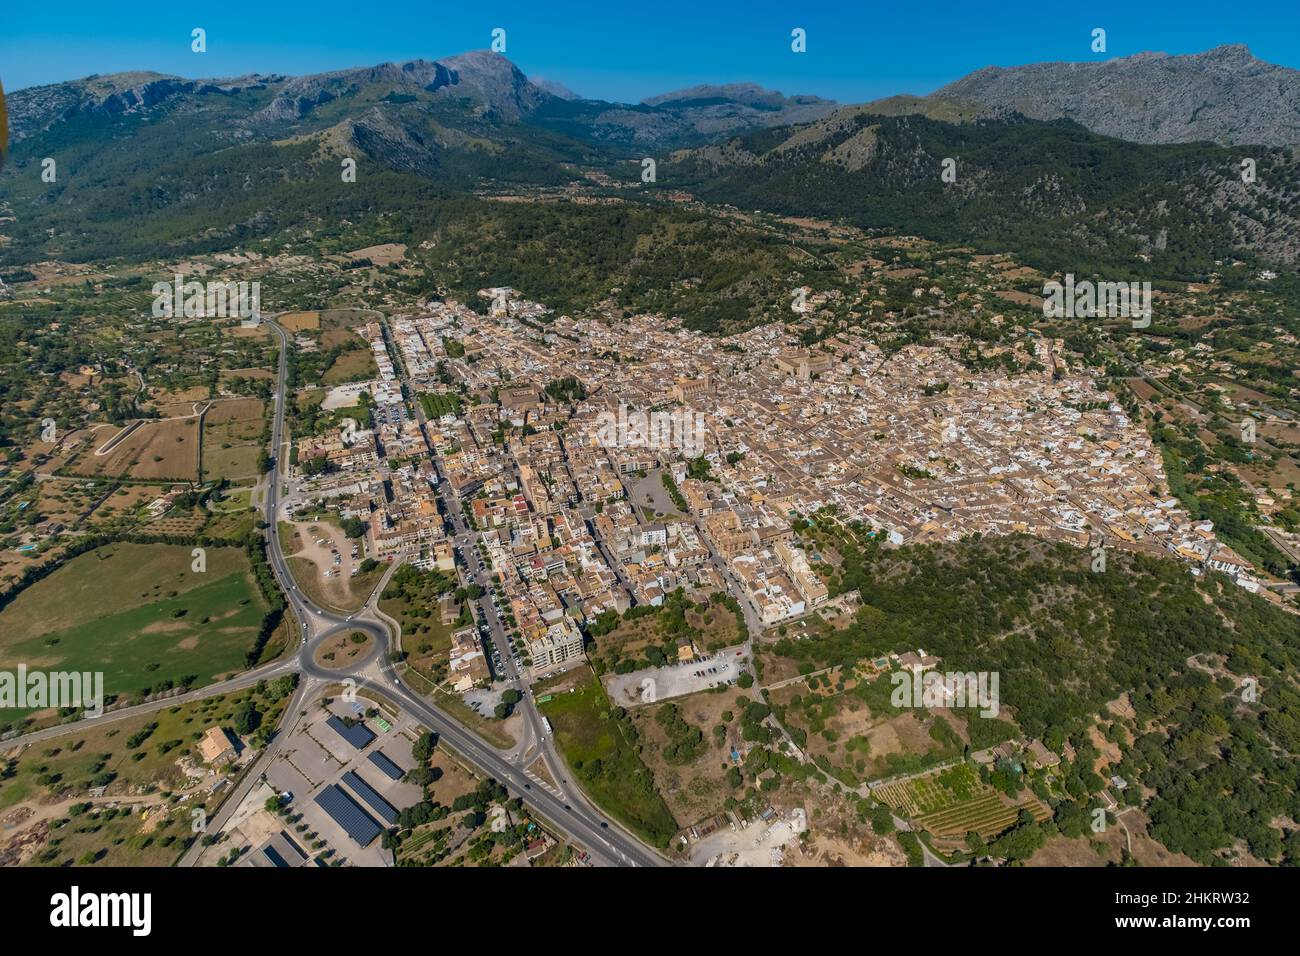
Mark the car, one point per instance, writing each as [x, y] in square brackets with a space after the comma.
[604, 825]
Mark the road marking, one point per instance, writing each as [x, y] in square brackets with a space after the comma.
[543, 784]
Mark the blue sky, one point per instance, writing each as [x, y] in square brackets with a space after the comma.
[627, 50]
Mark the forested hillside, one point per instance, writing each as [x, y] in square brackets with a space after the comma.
[1211, 748]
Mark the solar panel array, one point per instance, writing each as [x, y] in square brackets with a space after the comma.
[348, 814]
[371, 796]
[358, 735]
[384, 763]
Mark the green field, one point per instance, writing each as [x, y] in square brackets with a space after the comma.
[138, 613]
[437, 404]
[234, 500]
[351, 366]
[603, 753]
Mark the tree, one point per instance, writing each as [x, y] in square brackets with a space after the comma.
[882, 820]
[247, 719]
[422, 749]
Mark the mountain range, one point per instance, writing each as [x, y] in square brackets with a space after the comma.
[1224, 95]
[1129, 161]
[4, 127]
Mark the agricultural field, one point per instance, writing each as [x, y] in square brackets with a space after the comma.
[233, 437]
[125, 507]
[48, 818]
[299, 321]
[139, 614]
[166, 450]
[438, 404]
[173, 402]
[384, 254]
[933, 792]
[344, 320]
[354, 365]
[988, 815]
[603, 751]
[954, 801]
[231, 525]
[185, 522]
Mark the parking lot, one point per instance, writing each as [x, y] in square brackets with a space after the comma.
[655, 684]
[317, 757]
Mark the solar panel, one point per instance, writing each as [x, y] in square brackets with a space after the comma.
[292, 844]
[358, 735]
[371, 796]
[274, 857]
[348, 814]
[382, 761]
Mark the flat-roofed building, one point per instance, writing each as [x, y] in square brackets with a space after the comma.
[561, 642]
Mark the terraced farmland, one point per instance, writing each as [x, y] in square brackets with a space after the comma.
[934, 791]
[954, 801]
[987, 814]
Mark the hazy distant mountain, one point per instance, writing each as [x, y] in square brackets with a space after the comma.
[1224, 95]
[685, 117]
[4, 126]
[482, 84]
[482, 87]
[712, 110]
[555, 88]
